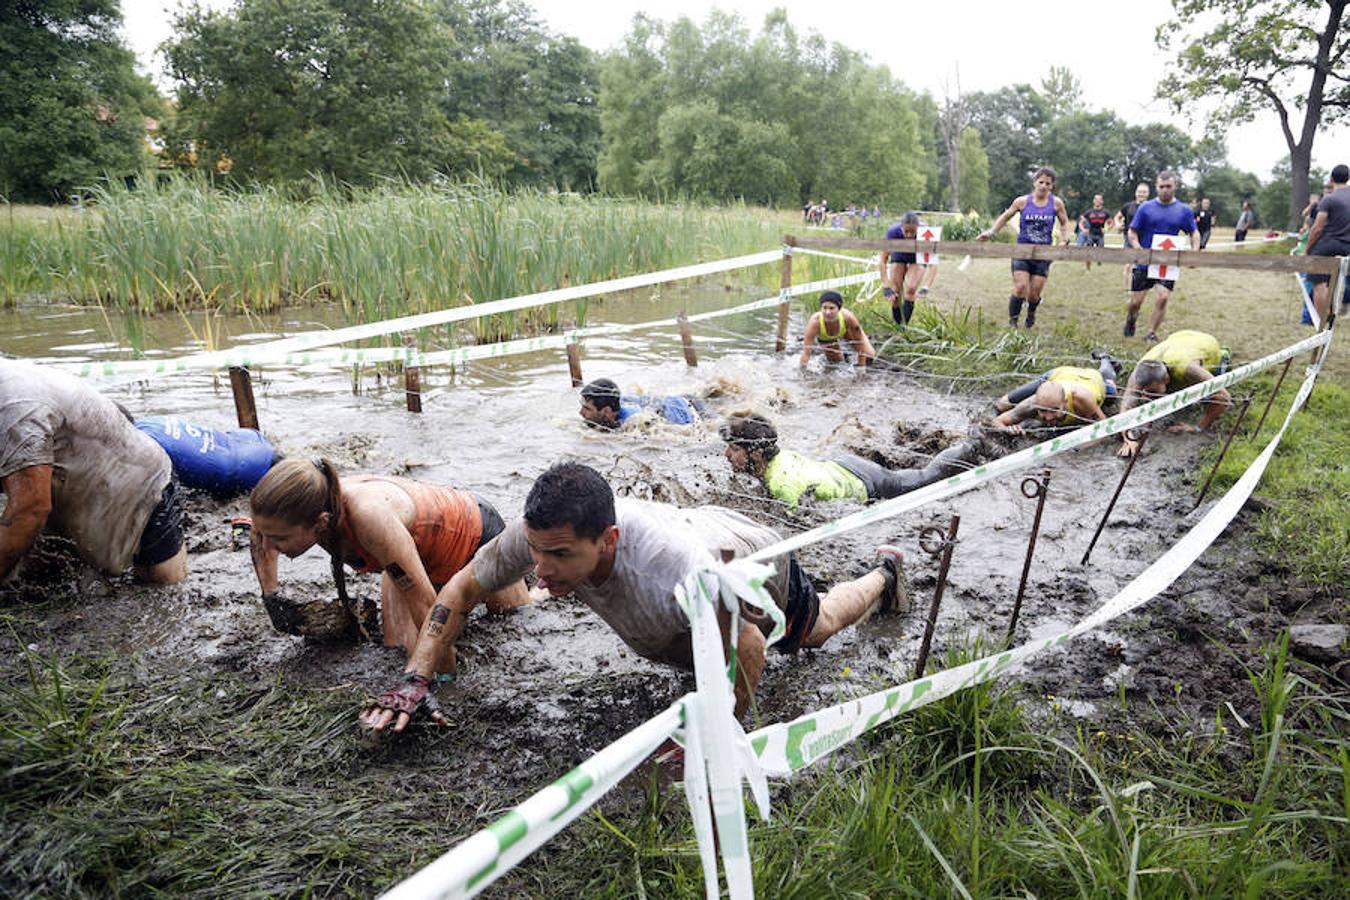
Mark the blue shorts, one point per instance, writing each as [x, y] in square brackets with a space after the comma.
[898, 257]
[1040, 267]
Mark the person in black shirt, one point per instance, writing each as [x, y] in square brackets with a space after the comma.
[1204, 221]
[1124, 218]
[1096, 218]
[1330, 235]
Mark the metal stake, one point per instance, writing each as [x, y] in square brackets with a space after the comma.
[934, 542]
[1246, 404]
[1138, 452]
[785, 282]
[1032, 489]
[1283, 372]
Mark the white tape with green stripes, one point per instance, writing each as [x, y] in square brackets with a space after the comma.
[784, 748]
[485, 856]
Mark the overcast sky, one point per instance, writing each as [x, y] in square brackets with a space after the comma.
[1109, 46]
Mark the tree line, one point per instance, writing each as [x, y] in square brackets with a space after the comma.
[421, 90]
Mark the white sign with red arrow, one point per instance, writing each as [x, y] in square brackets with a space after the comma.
[1165, 271]
[927, 233]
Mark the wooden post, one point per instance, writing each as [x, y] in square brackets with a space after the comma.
[412, 379]
[780, 344]
[687, 339]
[241, 383]
[574, 364]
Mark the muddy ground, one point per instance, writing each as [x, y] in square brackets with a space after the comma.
[544, 687]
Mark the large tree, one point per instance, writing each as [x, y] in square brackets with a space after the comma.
[350, 89]
[72, 108]
[1284, 55]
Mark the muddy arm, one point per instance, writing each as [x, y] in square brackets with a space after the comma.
[386, 538]
[29, 502]
[1011, 421]
[749, 658]
[809, 339]
[860, 341]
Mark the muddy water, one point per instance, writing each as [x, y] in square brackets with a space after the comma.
[544, 687]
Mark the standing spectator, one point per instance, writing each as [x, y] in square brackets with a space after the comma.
[1123, 220]
[1162, 215]
[1039, 211]
[1204, 221]
[1330, 235]
[1245, 221]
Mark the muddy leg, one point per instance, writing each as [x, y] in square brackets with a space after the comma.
[845, 604]
[508, 598]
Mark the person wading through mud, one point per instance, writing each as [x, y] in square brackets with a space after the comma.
[902, 277]
[1162, 215]
[73, 464]
[1184, 359]
[1065, 393]
[418, 534]
[752, 448]
[1039, 211]
[836, 329]
[623, 559]
[603, 405]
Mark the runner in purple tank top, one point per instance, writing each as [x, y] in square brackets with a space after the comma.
[1039, 211]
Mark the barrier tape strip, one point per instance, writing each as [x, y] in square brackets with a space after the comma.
[784, 748]
[272, 350]
[410, 356]
[485, 856]
[1005, 465]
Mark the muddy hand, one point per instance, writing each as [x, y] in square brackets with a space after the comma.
[264, 561]
[399, 705]
[1127, 450]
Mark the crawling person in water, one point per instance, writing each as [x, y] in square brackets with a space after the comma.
[418, 534]
[1183, 359]
[624, 559]
[1065, 394]
[836, 329]
[605, 406]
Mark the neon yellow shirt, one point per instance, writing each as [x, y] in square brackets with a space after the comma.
[789, 475]
[1183, 348]
[1087, 378]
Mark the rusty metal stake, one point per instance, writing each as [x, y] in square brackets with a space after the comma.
[1032, 489]
[1138, 452]
[945, 542]
[1246, 405]
[687, 339]
[245, 409]
[1283, 372]
[412, 379]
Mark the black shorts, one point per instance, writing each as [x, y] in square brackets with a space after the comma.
[492, 522]
[1327, 248]
[1040, 267]
[162, 537]
[803, 607]
[906, 258]
[1096, 240]
[1139, 281]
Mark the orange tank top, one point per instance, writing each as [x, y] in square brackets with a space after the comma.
[446, 528]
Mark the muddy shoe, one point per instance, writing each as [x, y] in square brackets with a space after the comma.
[895, 595]
[1101, 354]
[1151, 337]
[1129, 326]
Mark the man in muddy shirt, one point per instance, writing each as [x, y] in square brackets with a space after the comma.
[624, 558]
[72, 463]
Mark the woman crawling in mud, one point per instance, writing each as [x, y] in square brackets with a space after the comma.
[417, 533]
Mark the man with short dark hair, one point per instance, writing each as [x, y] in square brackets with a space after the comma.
[752, 448]
[624, 559]
[73, 464]
[1064, 393]
[1161, 215]
[1330, 236]
[604, 406]
[1184, 359]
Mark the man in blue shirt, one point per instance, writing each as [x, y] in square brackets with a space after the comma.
[603, 405]
[1162, 215]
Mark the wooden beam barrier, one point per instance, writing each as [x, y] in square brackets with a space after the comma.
[1192, 259]
[412, 379]
[245, 409]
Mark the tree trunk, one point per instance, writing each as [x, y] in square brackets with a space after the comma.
[1300, 160]
[1300, 154]
[954, 172]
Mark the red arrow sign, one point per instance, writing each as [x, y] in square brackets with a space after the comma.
[928, 234]
[1167, 244]
[1162, 272]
